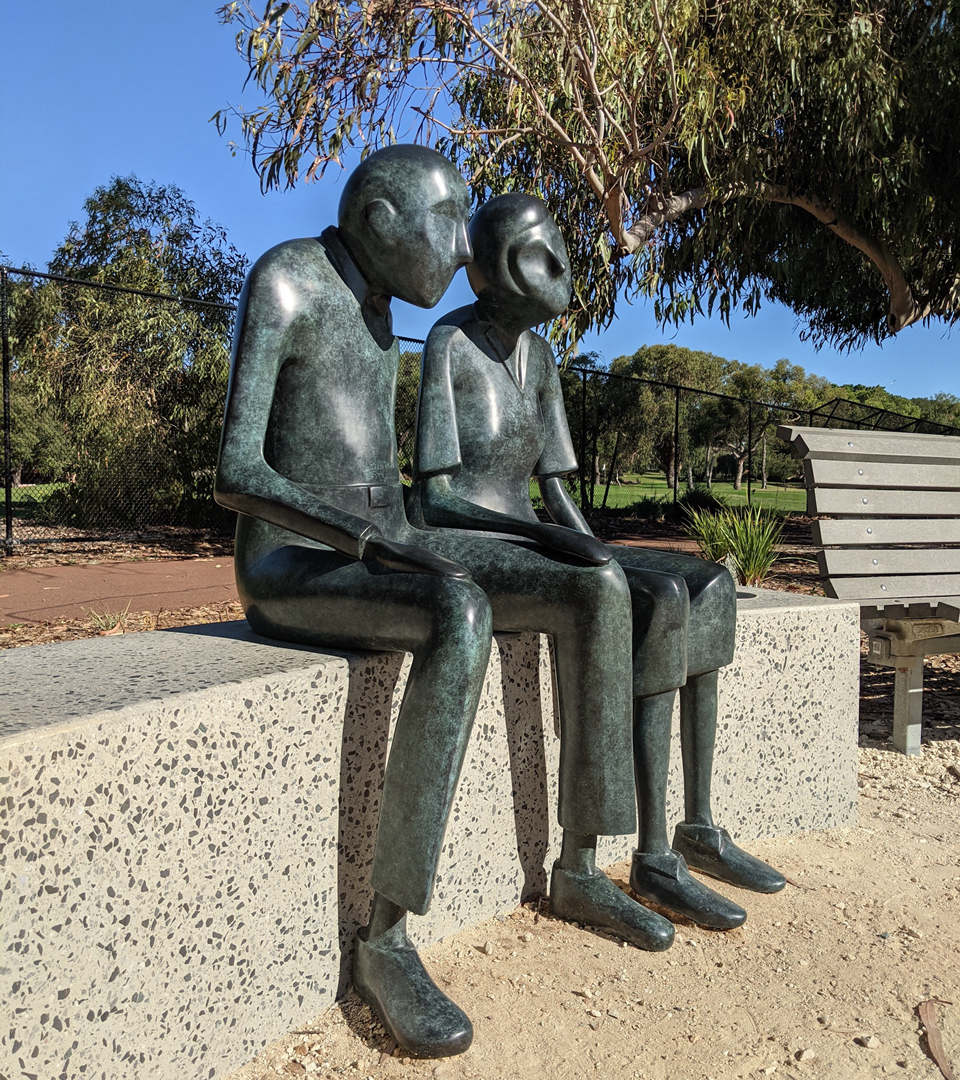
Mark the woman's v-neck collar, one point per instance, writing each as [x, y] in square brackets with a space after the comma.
[514, 362]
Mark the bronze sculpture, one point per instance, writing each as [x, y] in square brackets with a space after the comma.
[326, 556]
[490, 416]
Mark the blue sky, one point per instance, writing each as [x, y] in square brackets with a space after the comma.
[109, 89]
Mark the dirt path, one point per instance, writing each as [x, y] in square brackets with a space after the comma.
[823, 980]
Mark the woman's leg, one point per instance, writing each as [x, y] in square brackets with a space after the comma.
[710, 642]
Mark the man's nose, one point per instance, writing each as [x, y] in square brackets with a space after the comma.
[462, 249]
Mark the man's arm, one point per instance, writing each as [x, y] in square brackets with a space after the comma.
[558, 459]
[267, 319]
[267, 326]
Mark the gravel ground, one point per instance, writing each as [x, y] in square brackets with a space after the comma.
[827, 979]
[824, 980]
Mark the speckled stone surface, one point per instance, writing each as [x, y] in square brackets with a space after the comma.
[187, 821]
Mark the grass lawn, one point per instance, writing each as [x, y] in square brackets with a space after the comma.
[653, 485]
[29, 498]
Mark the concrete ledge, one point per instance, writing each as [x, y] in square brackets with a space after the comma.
[187, 819]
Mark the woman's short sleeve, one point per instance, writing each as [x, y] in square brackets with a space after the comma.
[558, 457]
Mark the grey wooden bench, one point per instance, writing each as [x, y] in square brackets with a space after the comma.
[889, 530]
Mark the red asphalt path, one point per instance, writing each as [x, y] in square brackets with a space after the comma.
[46, 593]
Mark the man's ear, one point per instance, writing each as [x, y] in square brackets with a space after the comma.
[382, 218]
[515, 266]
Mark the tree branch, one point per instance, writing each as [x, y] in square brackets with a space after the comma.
[904, 309]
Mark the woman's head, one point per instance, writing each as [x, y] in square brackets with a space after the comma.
[519, 258]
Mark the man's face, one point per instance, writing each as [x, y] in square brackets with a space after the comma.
[541, 269]
[433, 243]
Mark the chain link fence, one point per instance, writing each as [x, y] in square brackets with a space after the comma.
[113, 398]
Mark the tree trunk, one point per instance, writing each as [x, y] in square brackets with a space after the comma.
[671, 469]
[690, 480]
[763, 465]
[708, 471]
[741, 460]
[17, 473]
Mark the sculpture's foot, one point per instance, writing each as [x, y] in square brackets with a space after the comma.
[593, 898]
[708, 848]
[665, 881]
[388, 975]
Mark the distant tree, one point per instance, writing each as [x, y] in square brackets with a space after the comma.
[39, 445]
[137, 382]
[671, 364]
[712, 155]
[942, 408]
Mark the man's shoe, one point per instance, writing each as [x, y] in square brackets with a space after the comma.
[665, 881]
[388, 975]
[708, 848]
[595, 900]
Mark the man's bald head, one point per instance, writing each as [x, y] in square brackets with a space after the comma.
[403, 216]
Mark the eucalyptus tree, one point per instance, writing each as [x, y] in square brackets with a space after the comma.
[136, 382]
[710, 153]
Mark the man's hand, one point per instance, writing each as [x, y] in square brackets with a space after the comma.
[575, 544]
[409, 559]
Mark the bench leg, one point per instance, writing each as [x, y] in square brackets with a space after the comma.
[908, 704]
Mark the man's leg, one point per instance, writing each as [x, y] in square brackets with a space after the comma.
[321, 598]
[586, 610]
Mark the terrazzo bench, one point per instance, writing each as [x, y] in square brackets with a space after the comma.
[187, 819]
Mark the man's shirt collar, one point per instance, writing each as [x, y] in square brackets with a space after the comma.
[373, 305]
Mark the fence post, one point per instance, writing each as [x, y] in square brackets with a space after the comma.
[7, 453]
[676, 441]
[583, 439]
[749, 451]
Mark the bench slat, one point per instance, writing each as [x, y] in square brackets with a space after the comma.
[913, 585]
[877, 501]
[880, 561]
[887, 531]
[871, 445]
[880, 474]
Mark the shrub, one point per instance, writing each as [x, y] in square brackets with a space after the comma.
[744, 537]
[650, 508]
[700, 497]
[752, 537]
[706, 527]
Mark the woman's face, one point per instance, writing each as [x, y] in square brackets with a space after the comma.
[541, 269]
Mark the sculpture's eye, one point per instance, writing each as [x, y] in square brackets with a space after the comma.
[449, 208]
[555, 267]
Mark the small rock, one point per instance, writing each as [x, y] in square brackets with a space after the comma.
[488, 948]
[871, 1042]
[527, 936]
[594, 1012]
[769, 1070]
[806, 1055]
